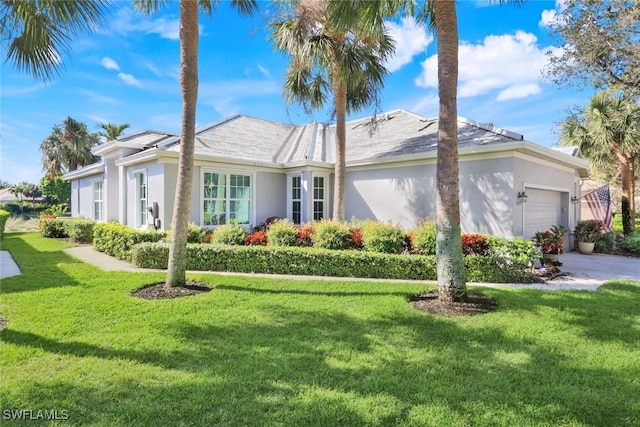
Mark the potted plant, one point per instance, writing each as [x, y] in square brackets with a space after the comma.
[587, 233]
[550, 242]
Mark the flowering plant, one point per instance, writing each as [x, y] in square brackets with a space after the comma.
[550, 241]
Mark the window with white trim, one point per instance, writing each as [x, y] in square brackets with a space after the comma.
[98, 200]
[141, 196]
[319, 197]
[226, 197]
[296, 199]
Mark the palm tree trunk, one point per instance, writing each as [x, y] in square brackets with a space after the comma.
[340, 102]
[449, 259]
[627, 171]
[176, 274]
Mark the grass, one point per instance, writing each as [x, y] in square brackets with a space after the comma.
[293, 353]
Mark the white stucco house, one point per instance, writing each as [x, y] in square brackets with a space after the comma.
[250, 169]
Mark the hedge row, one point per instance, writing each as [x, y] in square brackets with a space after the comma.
[323, 262]
[79, 230]
[4, 216]
[117, 240]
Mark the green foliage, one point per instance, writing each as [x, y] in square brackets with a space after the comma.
[607, 243]
[383, 237]
[588, 230]
[423, 237]
[495, 269]
[631, 242]
[516, 250]
[117, 240]
[59, 209]
[229, 234]
[550, 241]
[282, 233]
[53, 227]
[55, 190]
[79, 230]
[195, 234]
[332, 235]
[4, 216]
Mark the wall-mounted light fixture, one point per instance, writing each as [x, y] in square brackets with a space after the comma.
[575, 200]
[522, 197]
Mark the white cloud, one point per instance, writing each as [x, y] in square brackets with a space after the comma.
[165, 28]
[110, 64]
[127, 21]
[510, 64]
[550, 17]
[224, 96]
[129, 79]
[410, 39]
[264, 71]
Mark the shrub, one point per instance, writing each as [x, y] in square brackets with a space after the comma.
[53, 227]
[60, 209]
[606, 243]
[259, 238]
[117, 240]
[588, 230]
[355, 237]
[4, 216]
[195, 234]
[333, 235]
[474, 244]
[631, 242]
[423, 237]
[282, 233]
[264, 226]
[229, 234]
[516, 250]
[383, 237]
[79, 230]
[322, 262]
[305, 235]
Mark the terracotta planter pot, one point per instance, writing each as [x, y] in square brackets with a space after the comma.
[586, 248]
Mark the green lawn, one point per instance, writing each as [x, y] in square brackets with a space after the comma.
[261, 352]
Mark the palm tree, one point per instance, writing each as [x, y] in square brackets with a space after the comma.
[111, 130]
[327, 56]
[176, 274]
[607, 131]
[38, 32]
[68, 147]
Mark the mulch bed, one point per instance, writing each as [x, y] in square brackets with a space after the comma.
[160, 291]
[475, 304]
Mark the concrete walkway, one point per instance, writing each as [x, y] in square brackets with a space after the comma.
[8, 266]
[581, 272]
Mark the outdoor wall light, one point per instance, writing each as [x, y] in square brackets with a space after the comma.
[522, 197]
[575, 200]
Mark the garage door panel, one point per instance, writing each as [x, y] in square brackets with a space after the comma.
[542, 210]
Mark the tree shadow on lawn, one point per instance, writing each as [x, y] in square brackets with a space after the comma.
[307, 367]
[328, 292]
[40, 268]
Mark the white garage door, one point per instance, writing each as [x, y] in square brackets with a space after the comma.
[542, 210]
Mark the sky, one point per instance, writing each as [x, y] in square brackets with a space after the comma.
[128, 72]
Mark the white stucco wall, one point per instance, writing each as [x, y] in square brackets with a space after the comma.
[155, 189]
[82, 197]
[270, 195]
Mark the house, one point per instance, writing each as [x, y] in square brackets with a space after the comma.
[249, 169]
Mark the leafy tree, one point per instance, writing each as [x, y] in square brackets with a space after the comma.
[4, 184]
[68, 147]
[37, 32]
[55, 189]
[176, 274]
[601, 46]
[111, 130]
[608, 131]
[331, 56]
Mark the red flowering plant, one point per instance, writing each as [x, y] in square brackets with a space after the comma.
[259, 238]
[304, 234]
[550, 241]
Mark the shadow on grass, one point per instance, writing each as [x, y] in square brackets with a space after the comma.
[39, 261]
[297, 367]
[328, 293]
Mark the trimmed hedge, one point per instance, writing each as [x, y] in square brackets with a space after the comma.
[52, 227]
[79, 230]
[4, 216]
[117, 240]
[321, 262]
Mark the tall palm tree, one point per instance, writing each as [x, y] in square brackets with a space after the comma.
[111, 130]
[189, 36]
[609, 127]
[327, 56]
[39, 31]
[68, 147]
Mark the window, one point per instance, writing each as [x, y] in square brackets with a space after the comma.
[98, 204]
[296, 199]
[318, 198]
[141, 185]
[226, 197]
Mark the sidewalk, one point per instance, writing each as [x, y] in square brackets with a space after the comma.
[8, 267]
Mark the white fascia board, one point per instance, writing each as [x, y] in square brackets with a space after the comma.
[204, 160]
[307, 163]
[93, 169]
[143, 156]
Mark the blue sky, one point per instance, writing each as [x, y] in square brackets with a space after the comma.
[128, 72]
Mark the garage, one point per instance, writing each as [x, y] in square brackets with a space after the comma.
[542, 210]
